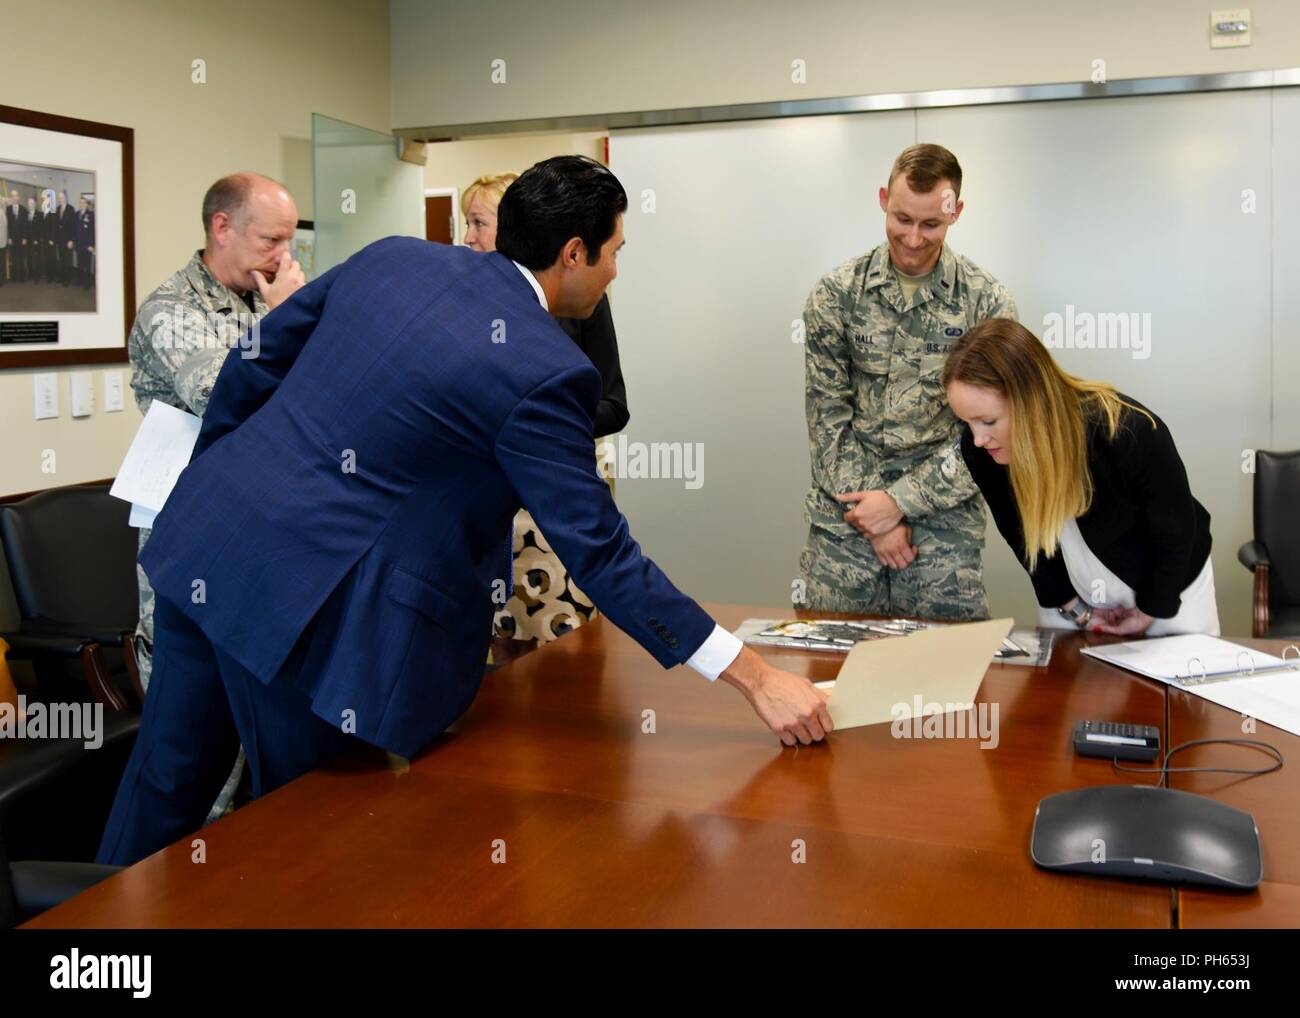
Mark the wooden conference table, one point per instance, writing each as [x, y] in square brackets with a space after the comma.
[1273, 799]
[697, 823]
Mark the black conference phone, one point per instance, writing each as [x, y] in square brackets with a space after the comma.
[1112, 740]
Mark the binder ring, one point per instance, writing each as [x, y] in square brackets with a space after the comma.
[1291, 646]
[1191, 676]
[1250, 663]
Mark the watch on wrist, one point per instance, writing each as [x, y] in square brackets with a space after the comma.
[1080, 614]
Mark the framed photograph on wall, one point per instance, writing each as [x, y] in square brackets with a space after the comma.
[304, 247]
[67, 240]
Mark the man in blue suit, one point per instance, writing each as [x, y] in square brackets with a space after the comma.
[325, 565]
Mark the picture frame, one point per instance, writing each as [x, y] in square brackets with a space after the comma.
[67, 265]
[303, 247]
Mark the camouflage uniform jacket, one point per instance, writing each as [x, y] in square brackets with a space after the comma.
[180, 339]
[878, 417]
[181, 336]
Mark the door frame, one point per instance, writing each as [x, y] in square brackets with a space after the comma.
[454, 194]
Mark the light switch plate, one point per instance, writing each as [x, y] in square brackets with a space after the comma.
[45, 396]
[1222, 40]
[81, 389]
[112, 391]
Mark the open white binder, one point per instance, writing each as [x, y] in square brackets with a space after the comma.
[1250, 682]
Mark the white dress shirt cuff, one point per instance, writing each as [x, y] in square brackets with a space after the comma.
[716, 653]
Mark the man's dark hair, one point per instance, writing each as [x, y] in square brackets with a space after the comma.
[554, 201]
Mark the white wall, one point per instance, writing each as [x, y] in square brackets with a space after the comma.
[1109, 205]
[459, 163]
[565, 59]
[265, 77]
[1284, 180]
[746, 218]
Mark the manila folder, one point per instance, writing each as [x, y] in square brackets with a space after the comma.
[881, 680]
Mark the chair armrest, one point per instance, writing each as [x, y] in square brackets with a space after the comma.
[107, 636]
[39, 886]
[26, 765]
[1252, 554]
[25, 646]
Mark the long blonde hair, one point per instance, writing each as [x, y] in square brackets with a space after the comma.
[1050, 411]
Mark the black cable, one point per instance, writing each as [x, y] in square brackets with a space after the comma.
[1164, 770]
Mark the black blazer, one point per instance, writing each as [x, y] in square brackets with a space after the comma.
[85, 229]
[1143, 524]
[66, 225]
[595, 337]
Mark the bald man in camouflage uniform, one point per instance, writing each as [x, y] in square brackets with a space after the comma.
[185, 328]
[896, 526]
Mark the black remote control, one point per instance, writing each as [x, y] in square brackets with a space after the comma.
[1113, 741]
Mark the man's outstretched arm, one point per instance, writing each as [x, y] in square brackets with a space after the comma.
[545, 450]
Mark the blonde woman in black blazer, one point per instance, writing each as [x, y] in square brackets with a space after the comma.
[1086, 486]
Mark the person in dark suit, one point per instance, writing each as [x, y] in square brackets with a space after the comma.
[324, 568]
[547, 604]
[36, 242]
[16, 214]
[14, 222]
[85, 244]
[65, 239]
[50, 224]
[1087, 487]
[595, 336]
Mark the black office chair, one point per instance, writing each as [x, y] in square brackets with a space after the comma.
[1274, 555]
[55, 795]
[71, 560]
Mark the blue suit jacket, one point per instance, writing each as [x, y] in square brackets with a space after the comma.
[349, 502]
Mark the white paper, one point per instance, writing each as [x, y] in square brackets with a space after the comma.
[1175, 658]
[80, 383]
[160, 451]
[141, 517]
[1271, 696]
[45, 396]
[112, 391]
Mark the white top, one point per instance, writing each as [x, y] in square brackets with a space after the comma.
[721, 648]
[1088, 574]
[1198, 610]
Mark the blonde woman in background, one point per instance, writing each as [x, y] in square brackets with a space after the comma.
[546, 603]
[1087, 487]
